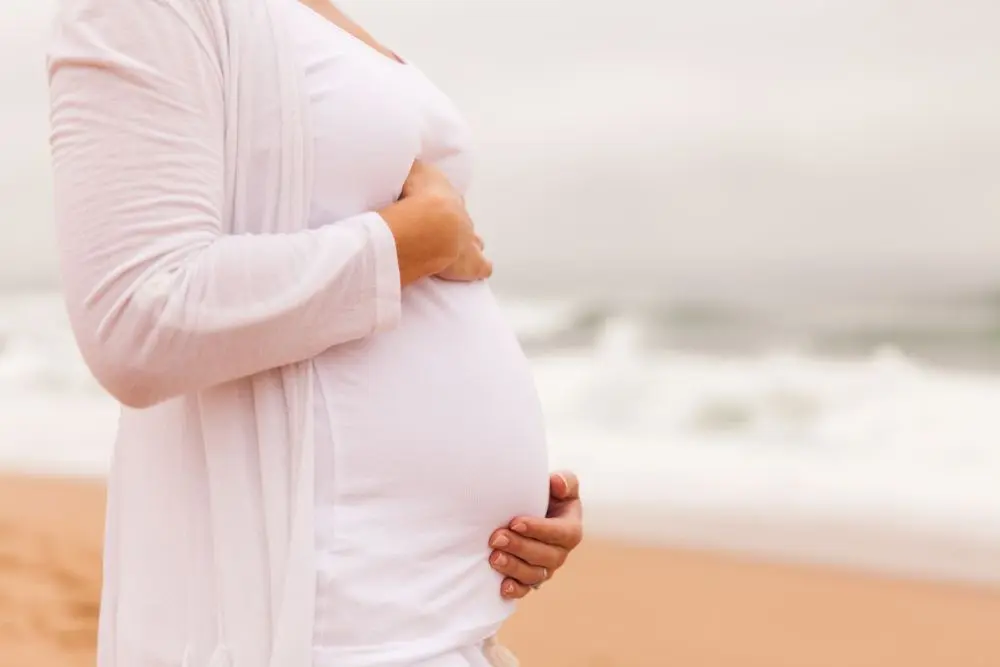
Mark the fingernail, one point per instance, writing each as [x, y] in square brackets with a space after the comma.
[519, 528]
[499, 560]
[500, 541]
[508, 588]
[564, 480]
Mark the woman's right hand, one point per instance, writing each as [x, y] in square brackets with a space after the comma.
[426, 179]
[470, 264]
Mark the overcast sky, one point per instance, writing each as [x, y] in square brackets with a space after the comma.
[642, 144]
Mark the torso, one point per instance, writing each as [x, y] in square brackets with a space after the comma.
[429, 436]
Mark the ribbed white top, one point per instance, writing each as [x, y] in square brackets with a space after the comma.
[429, 435]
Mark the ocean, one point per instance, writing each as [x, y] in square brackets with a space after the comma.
[750, 248]
[861, 455]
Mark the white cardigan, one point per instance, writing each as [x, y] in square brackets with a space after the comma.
[201, 314]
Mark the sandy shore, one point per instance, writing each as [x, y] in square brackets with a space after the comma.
[50, 569]
[614, 606]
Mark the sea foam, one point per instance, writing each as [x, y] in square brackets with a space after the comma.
[877, 462]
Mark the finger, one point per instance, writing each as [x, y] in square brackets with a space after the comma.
[564, 485]
[512, 589]
[517, 569]
[568, 510]
[479, 242]
[565, 532]
[528, 550]
[483, 265]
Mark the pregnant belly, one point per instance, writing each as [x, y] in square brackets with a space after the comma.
[433, 438]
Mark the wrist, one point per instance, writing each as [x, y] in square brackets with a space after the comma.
[426, 229]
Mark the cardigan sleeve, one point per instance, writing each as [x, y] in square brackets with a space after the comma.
[162, 301]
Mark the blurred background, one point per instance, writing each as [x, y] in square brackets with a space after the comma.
[753, 250]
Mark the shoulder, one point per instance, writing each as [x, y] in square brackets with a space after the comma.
[139, 28]
[198, 16]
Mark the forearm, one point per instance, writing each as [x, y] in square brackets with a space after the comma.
[187, 319]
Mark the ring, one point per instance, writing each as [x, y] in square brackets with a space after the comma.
[545, 576]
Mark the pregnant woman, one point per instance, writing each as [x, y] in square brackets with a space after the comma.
[326, 425]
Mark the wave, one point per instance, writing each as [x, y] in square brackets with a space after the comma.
[878, 460]
[618, 371]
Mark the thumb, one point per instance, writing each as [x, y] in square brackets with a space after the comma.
[564, 485]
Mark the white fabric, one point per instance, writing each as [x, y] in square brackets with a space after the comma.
[199, 298]
[429, 436]
[177, 290]
[486, 654]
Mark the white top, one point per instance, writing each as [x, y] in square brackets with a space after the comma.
[202, 306]
[429, 436]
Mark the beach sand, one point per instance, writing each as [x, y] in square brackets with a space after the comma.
[614, 605]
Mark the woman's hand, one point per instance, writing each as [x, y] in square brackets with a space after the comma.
[426, 179]
[429, 223]
[470, 264]
[531, 549]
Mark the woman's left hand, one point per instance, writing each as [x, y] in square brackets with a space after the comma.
[530, 549]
